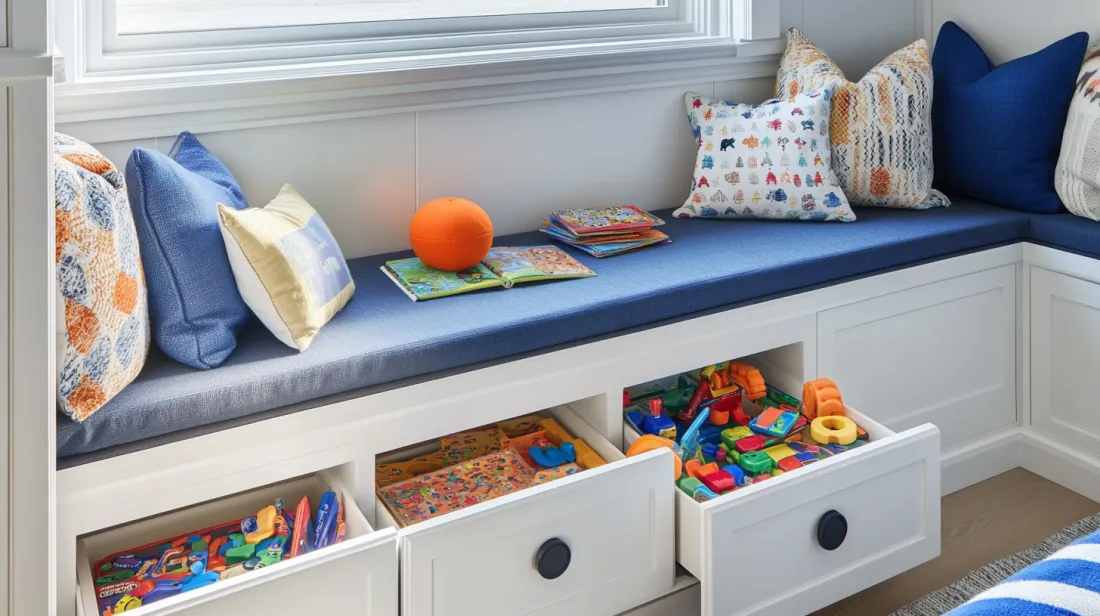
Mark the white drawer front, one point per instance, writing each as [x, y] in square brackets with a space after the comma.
[617, 520]
[357, 576]
[888, 492]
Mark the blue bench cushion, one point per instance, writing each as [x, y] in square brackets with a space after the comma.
[382, 337]
[1067, 232]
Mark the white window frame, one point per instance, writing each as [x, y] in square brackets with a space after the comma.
[259, 76]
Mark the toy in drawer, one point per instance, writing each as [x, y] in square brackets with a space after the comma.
[480, 465]
[144, 575]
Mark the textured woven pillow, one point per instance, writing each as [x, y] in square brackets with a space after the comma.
[881, 127]
[1077, 177]
[288, 266]
[100, 279]
[764, 161]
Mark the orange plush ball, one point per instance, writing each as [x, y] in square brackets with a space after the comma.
[451, 234]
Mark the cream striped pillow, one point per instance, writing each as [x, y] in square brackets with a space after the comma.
[288, 267]
[881, 126]
[1077, 177]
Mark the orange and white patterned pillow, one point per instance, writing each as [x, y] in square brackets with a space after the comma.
[100, 279]
[881, 126]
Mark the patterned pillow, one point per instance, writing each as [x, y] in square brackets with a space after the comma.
[288, 267]
[100, 278]
[881, 126]
[764, 161]
[1077, 177]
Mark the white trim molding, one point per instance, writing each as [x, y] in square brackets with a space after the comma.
[130, 102]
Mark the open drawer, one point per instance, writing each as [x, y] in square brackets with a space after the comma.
[757, 550]
[356, 576]
[608, 530]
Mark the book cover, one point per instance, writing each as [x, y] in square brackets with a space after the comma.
[419, 281]
[588, 221]
[532, 263]
[502, 267]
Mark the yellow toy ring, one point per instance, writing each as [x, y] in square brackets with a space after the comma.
[833, 429]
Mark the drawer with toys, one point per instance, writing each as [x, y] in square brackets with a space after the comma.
[543, 505]
[802, 483]
[297, 545]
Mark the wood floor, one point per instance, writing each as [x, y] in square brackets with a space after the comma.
[980, 524]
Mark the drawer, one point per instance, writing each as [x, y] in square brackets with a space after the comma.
[756, 550]
[356, 576]
[616, 521]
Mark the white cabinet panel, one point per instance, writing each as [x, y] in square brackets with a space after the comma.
[1065, 357]
[943, 353]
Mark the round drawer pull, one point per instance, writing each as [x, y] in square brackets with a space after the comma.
[832, 528]
[553, 558]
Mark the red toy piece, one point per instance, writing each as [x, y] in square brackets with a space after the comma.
[719, 482]
[789, 464]
[750, 443]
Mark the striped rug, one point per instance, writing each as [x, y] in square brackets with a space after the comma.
[1066, 583]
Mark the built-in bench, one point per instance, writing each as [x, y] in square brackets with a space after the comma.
[382, 339]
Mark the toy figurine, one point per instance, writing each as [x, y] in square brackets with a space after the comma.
[656, 422]
[549, 457]
[719, 481]
[756, 462]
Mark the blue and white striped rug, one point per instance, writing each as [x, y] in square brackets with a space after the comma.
[1058, 577]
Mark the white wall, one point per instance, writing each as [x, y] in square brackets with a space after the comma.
[1008, 29]
[520, 160]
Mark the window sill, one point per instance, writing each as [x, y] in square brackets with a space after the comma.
[157, 106]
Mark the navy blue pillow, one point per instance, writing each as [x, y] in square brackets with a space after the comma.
[195, 309]
[997, 130]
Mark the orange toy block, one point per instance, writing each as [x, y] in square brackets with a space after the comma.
[821, 398]
[650, 442]
[555, 432]
[750, 379]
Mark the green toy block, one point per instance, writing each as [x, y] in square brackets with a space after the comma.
[756, 462]
[240, 554]
[236, 539]
[688, 485]
[731, 435]
[781, 397]
[199, 546]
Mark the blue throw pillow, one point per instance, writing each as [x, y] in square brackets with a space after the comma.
[997, 130]
[195, 308]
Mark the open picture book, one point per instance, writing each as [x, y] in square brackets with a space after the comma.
[502, 267]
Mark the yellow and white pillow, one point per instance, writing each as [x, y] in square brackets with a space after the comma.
[288, 267]
[881, 126]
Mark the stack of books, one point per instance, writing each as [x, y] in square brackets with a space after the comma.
[606, 231]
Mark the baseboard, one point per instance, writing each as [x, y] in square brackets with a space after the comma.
[1067, 466]
[978, 459]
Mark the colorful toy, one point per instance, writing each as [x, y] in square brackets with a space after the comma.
[523, 444]
[656, 422]
[325, 531]
[781, 398]
[689, 443]
[393, 472]
[649, 442]
[833, 429]
[264, 525]
[719, 481]
[749, 443]
[695, 489]
[730, 436]
[756, 462]
[738, 474]
[462, 446]
[778, 452]
[774, 422]
[549, 474]
[821, 398]
[520, 426]
[549, 457]
[789, 464]
[451, 234]
[586, 457]
[750, 379]
[302, 535]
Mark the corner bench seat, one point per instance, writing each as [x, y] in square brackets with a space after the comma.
[382, 338]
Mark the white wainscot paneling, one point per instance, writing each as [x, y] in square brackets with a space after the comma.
[358, 173]
[1009, 29]
[858, 34]
[522, 160]
[118, 152]
[943, 353]
[1065, 355]
[746, 90]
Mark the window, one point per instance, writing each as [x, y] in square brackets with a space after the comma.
[132, 40]
[149, 16]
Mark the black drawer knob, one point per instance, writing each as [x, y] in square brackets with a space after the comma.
[832, 528]
[553, 558]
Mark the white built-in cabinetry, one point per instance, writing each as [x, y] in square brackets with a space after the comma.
[943, 352]
[1065, 358]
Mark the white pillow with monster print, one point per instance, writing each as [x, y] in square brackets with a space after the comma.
[1077, 177]
[771, 160]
